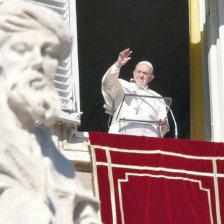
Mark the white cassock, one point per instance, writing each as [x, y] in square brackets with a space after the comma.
[132, 114]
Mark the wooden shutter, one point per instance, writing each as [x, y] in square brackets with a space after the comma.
[67, 74]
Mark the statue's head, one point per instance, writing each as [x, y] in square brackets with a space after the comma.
[33, 40]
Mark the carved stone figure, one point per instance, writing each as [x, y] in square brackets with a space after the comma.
[37, 184]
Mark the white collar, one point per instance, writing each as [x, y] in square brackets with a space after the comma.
[139, 87]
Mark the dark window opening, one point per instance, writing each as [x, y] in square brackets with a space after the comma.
[157, 31]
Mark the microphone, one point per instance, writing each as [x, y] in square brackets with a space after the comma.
[171, 112]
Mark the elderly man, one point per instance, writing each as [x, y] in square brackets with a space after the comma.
[37, 184]
[136, 109]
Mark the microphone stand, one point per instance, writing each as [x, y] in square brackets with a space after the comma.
[171, 112]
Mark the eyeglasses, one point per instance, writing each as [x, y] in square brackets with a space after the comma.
[141, 72]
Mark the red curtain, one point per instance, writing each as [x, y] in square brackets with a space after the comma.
[141, 180]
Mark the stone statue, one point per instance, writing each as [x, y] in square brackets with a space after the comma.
[37, 184]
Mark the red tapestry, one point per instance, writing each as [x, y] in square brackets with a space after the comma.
[141, 180]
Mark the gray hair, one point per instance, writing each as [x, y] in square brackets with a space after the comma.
[147, 63]
[20, 16]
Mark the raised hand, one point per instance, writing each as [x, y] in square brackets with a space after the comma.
[123, 57]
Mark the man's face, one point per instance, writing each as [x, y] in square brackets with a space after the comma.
[30, 62]
[142, 74]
